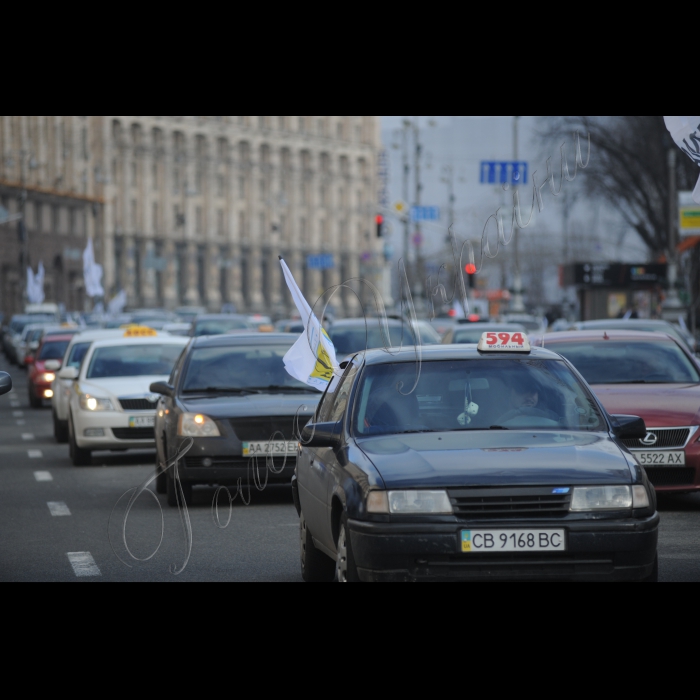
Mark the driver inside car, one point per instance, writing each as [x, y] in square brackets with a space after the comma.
[524, 400]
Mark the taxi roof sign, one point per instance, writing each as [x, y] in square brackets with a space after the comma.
[502, 341]
[135, 331]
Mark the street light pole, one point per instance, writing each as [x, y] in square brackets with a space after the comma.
[672, 306]
[518, 306]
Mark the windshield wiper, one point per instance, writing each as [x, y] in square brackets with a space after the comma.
[282, 387]
[222, 390]
[498, 427]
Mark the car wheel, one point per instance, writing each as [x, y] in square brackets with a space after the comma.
[653, 577]
[60, 429]
[316, 567]
[80, 457]
[171, 491]
[347, 571]
[33, 401]
[161, 479]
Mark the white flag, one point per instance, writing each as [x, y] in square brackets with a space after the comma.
[312, 358]
[92, 272]
[116, 305]
[35, 285]
[686, 134]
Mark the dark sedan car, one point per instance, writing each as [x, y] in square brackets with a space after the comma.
[232, 395]
[471, 332]
[217, 324]
[476, 465]
[647, 325]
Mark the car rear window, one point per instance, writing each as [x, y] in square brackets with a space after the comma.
[53, 350]
[133, 361]
[630, 362]
[453, 395]
[241, 367]
[357, 338]
[219, 327]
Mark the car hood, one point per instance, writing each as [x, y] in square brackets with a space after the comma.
[252, 405]
[120, 386]
[462, 459]
[660, 405]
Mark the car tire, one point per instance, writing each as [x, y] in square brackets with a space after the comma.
[80, 457]
[161, 480]
[316, 567]
[653, 577]
[347, 570]
[60, 429]
[171, 491]
[34, 402]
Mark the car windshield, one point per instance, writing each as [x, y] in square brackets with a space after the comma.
[53, 350]
[473, 335]
[356, 338]
[133, 361]
[218, 327]
[77, 354]
[630, 362]
[473, 395]
[232, 368]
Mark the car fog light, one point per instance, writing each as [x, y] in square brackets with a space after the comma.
[94, 432]
[48, 393]
[601, 498]
[640, 497]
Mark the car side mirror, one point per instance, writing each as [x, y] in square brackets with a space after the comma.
[70, 373]
[629, 427]
[5, 383]
[34, 345]
[52, 365]
[164, 389]
[321, 434]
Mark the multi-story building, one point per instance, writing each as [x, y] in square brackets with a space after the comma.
[195, 210]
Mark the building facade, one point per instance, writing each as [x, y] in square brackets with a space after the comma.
[195, 210]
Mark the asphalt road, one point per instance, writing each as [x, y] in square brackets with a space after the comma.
[65, 523]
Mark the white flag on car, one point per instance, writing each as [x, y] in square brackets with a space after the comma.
[35, 285]
[312, 358]
[686, 134]
[92, 272]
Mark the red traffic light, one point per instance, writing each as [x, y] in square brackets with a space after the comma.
[379, 219]
[470, 268]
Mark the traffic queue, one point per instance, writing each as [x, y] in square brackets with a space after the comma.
[487, 454]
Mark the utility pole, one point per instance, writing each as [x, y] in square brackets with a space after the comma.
[517, 306]
[22, 228]
[405, 169]
[418, 234]
[672, 306]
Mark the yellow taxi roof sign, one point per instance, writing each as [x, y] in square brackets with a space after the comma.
[503, 341]
[134, 331]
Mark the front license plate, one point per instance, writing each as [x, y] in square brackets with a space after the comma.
[274, 449]
[479, 541]
[659, 459]
[142, 421]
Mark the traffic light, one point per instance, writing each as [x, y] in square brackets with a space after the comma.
[379, 220]
[470, 269]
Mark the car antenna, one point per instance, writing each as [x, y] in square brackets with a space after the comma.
[605, 335]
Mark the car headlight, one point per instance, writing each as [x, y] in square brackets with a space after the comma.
[601, 498]
[197, 425]
[92, 403]
[49, 376]
[409, 502]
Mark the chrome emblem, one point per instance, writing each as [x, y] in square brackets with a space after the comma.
[153, 398]
[649, 439]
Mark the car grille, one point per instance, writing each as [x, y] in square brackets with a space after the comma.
[233, 462]
[671, 476]
[666, 437]
[528, 502]
[137, 405]
[265, 427]
[134, 433]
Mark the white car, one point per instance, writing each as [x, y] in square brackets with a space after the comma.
[75, 352]
[111, 406]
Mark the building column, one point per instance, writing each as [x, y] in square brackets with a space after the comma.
[169, 285]
[191, 291]
[214, 264]
[233, 280]
[352, 304]
[255, 295]
[129, 253]
[148, 273]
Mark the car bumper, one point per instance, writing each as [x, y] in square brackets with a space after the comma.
[117, 434]
[623, 550]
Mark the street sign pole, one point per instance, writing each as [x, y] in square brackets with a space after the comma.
[518, 305]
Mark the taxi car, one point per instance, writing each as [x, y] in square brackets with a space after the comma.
[655, 376]
[61, 387]
[110, 405]
[486, 462]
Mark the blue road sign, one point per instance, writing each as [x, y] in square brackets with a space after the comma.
[320, 262]
[425, 213]
[500, 172]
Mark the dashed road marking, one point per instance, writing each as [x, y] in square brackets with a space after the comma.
[20, 422]
[17, 414]
[27, 436]
[58, 508]
[35, 454]
[43, 476]
[83, 564]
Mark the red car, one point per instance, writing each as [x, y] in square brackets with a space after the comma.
[649, 375]
[51, 351]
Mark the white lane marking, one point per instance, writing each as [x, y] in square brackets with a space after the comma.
[20, 422]
[83, 564]
[14, 404]
[58, 508]
[17, 414]
[43, 476]
[27, 436]
[34, 454]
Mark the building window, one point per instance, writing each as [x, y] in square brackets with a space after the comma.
[220, 185]
[198, 220]
[201, 272]
[134, 174]
[155, 175]
[176, 180]
[155, 217]
[220, 224]
[242, 225]
[241, 187]
[133, 215]
[38, 215]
